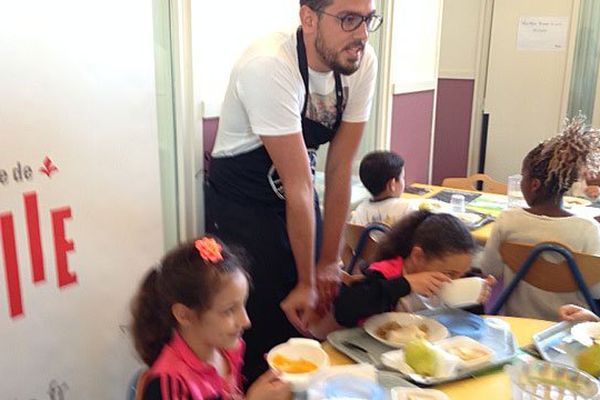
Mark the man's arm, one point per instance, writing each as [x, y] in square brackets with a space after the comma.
[338, 170]
[290, 159]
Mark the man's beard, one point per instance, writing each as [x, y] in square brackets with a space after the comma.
[329, 56]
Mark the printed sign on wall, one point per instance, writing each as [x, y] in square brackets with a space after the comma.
[543, 33]
[80, 210]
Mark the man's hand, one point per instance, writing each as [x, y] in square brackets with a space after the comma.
[426, 283]
[299, 305]
[328, 284]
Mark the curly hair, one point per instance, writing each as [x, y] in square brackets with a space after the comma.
[437, 234]
[559, 161]
[182, 277]
[316, 5]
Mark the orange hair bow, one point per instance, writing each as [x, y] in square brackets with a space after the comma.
[209, 249]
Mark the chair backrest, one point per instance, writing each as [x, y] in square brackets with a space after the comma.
[136, 384]
[576, 272]
[547, 275]
[470, 183]
[360, 244]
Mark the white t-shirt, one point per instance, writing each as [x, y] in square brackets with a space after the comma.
[386, 211]
[266, 93]
[580, 234]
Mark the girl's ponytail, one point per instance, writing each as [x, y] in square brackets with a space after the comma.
[437, 234]
[399, 240]
[152, 319]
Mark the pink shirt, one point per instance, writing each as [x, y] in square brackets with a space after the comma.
[183, 375]
[390, 268]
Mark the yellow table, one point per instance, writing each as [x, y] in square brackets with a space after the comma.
[492, 386]
[482, 234]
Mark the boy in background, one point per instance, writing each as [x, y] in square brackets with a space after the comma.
[382, 173]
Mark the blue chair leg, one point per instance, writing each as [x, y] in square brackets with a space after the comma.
[361, 243]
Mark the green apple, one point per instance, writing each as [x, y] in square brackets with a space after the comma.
[588, 360]
[421, 356]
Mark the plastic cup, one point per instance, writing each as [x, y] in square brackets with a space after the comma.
[514, 194]
[457, 203]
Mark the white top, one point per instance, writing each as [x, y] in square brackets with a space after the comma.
[266, 93]
[581, 235]
[386, 211]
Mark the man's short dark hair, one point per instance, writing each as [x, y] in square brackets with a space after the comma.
[377, 168]
[316, 5]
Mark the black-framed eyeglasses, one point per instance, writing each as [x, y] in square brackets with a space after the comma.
[351, 22]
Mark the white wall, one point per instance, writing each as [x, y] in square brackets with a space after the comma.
[460, 38]
[77, 83]
[221, 30]
[415, 44]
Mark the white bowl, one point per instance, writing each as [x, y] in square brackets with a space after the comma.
[586, 332]
[466, 344]
[461, 292]
[296, 348]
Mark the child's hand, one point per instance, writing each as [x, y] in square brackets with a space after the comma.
[269, 387]
[426, 283]
[486, 289]
[571, 312]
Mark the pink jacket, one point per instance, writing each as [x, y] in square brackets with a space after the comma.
[183, 375]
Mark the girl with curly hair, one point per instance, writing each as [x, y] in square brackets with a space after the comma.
[548, 171]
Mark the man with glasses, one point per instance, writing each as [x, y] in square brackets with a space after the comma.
[288, 94]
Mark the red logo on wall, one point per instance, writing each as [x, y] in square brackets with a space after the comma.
[61, 244]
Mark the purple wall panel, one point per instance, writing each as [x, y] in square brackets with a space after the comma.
[411, 132]
[452, 128]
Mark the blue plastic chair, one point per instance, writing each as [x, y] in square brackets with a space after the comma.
[359, 240]
[566, 276]
[133, 382]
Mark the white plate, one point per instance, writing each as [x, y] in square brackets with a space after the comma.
[465, 342]
[586, 332]
[569, 201]
[435, 330]
[468, 218]
[403, 393]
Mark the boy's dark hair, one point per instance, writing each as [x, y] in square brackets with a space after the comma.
[182, 277]
[558, 162]
[315, 5]
[377, 168]
[437, 234]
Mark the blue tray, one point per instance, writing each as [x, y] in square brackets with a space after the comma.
[458, 322]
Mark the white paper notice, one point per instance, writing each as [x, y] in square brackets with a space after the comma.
[542, 33]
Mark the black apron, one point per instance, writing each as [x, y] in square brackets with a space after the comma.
[245, 206]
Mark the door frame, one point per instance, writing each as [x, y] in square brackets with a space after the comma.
[481, 73]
